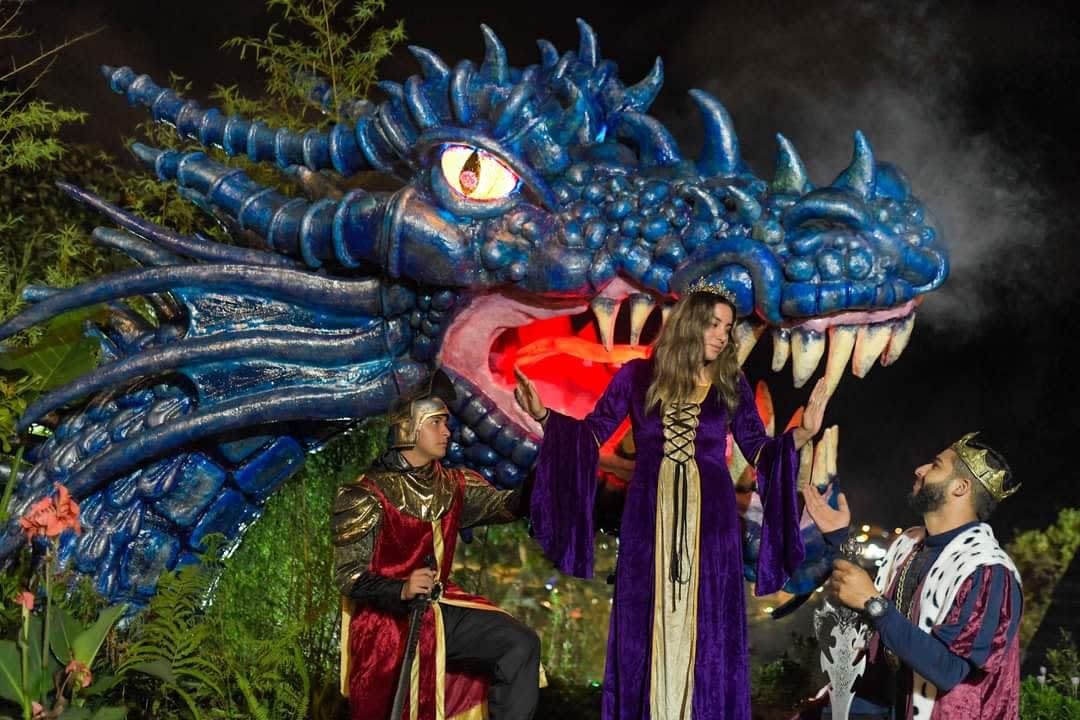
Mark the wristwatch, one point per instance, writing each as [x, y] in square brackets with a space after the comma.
[877, 606]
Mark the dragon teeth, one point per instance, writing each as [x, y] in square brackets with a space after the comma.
[832, 437]
[606, 310]
[869, 343]
[806, 464]
[665, 313]
[841, 343]
[746, 335]
[824, 464]
[807, 347]
[641, 307]
[899, 340]
[781, 349]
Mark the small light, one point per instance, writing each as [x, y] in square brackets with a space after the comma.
[768, 610]
[820, 589]
[866, 528]
[554, 591]
[898, 531]
[549, 587]
[862, 537]
[594, 683]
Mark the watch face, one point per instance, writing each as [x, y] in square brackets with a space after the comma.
[876, 606]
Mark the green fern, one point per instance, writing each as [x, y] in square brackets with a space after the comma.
[172, 637]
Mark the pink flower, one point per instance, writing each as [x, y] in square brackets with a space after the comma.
[80, 673]
[39, 712]
[67, 510]
[26, 599]
[50, 517]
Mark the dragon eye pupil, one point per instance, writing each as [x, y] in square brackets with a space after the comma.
[469, 177]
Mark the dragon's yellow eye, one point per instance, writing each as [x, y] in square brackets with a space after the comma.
[476, 174]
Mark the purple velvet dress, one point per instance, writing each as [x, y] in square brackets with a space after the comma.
[562, 517]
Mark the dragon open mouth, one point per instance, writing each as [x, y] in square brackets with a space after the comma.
[571, 348]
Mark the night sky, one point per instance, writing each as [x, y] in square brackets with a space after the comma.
[977, 102]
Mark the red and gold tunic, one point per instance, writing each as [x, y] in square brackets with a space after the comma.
[398, 519]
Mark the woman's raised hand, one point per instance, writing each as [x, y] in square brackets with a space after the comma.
[814, 415]
[527, 397]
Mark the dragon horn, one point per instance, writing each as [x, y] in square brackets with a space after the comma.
[431, 65]
[656, 145]
[790, 171]
[548, 54]
[720, 153]
[860, 175]
[588, 53]
[640, 97]
[495, 64]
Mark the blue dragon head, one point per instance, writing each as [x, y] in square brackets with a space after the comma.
[541, 218]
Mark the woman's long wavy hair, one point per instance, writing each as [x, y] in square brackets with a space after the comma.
[680, 351]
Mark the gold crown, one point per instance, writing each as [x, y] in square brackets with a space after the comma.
[700, 285]
[975, 460]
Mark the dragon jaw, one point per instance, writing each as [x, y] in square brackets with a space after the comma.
[571, 348]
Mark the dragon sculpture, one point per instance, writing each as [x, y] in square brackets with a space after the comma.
[542, 218]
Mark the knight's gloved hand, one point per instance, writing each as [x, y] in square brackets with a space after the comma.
[379, 592]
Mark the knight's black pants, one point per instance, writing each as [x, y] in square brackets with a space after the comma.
[493, 643]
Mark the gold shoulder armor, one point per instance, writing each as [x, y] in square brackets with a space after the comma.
[356, 512]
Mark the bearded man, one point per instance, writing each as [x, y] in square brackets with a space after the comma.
[947, 601]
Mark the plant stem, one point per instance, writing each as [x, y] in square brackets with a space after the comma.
[24, 648]
[48, 608]
[10, 486]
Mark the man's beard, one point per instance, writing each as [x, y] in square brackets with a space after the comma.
[929, 498]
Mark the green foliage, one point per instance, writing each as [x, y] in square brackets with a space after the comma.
[790, 679]
[171, 641]
[331, 51]
[1042, 702]
[1042, 556]
[569, 614]
[280, 581]
[28, 126]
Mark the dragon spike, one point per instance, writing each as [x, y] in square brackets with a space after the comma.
[172, 241]
[588, 53]
[641, 96]
[860, 175]
[574, 116]
[706, 206]
[513, 106]
[495, 64]
[431, 65]
[314, 149]
[273, 346]
[419, 106]
[748, 209]
[656, 146]
[791, 174]
[548, 54]
[141, 251]
[365, 297]
[392, 90]
[459, 92]
[720, 153]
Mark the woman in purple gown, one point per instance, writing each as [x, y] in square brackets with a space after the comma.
[677, 640]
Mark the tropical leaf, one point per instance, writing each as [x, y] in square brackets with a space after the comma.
[87, 643]
[61, 355]
[10, 672]
[62, 632]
